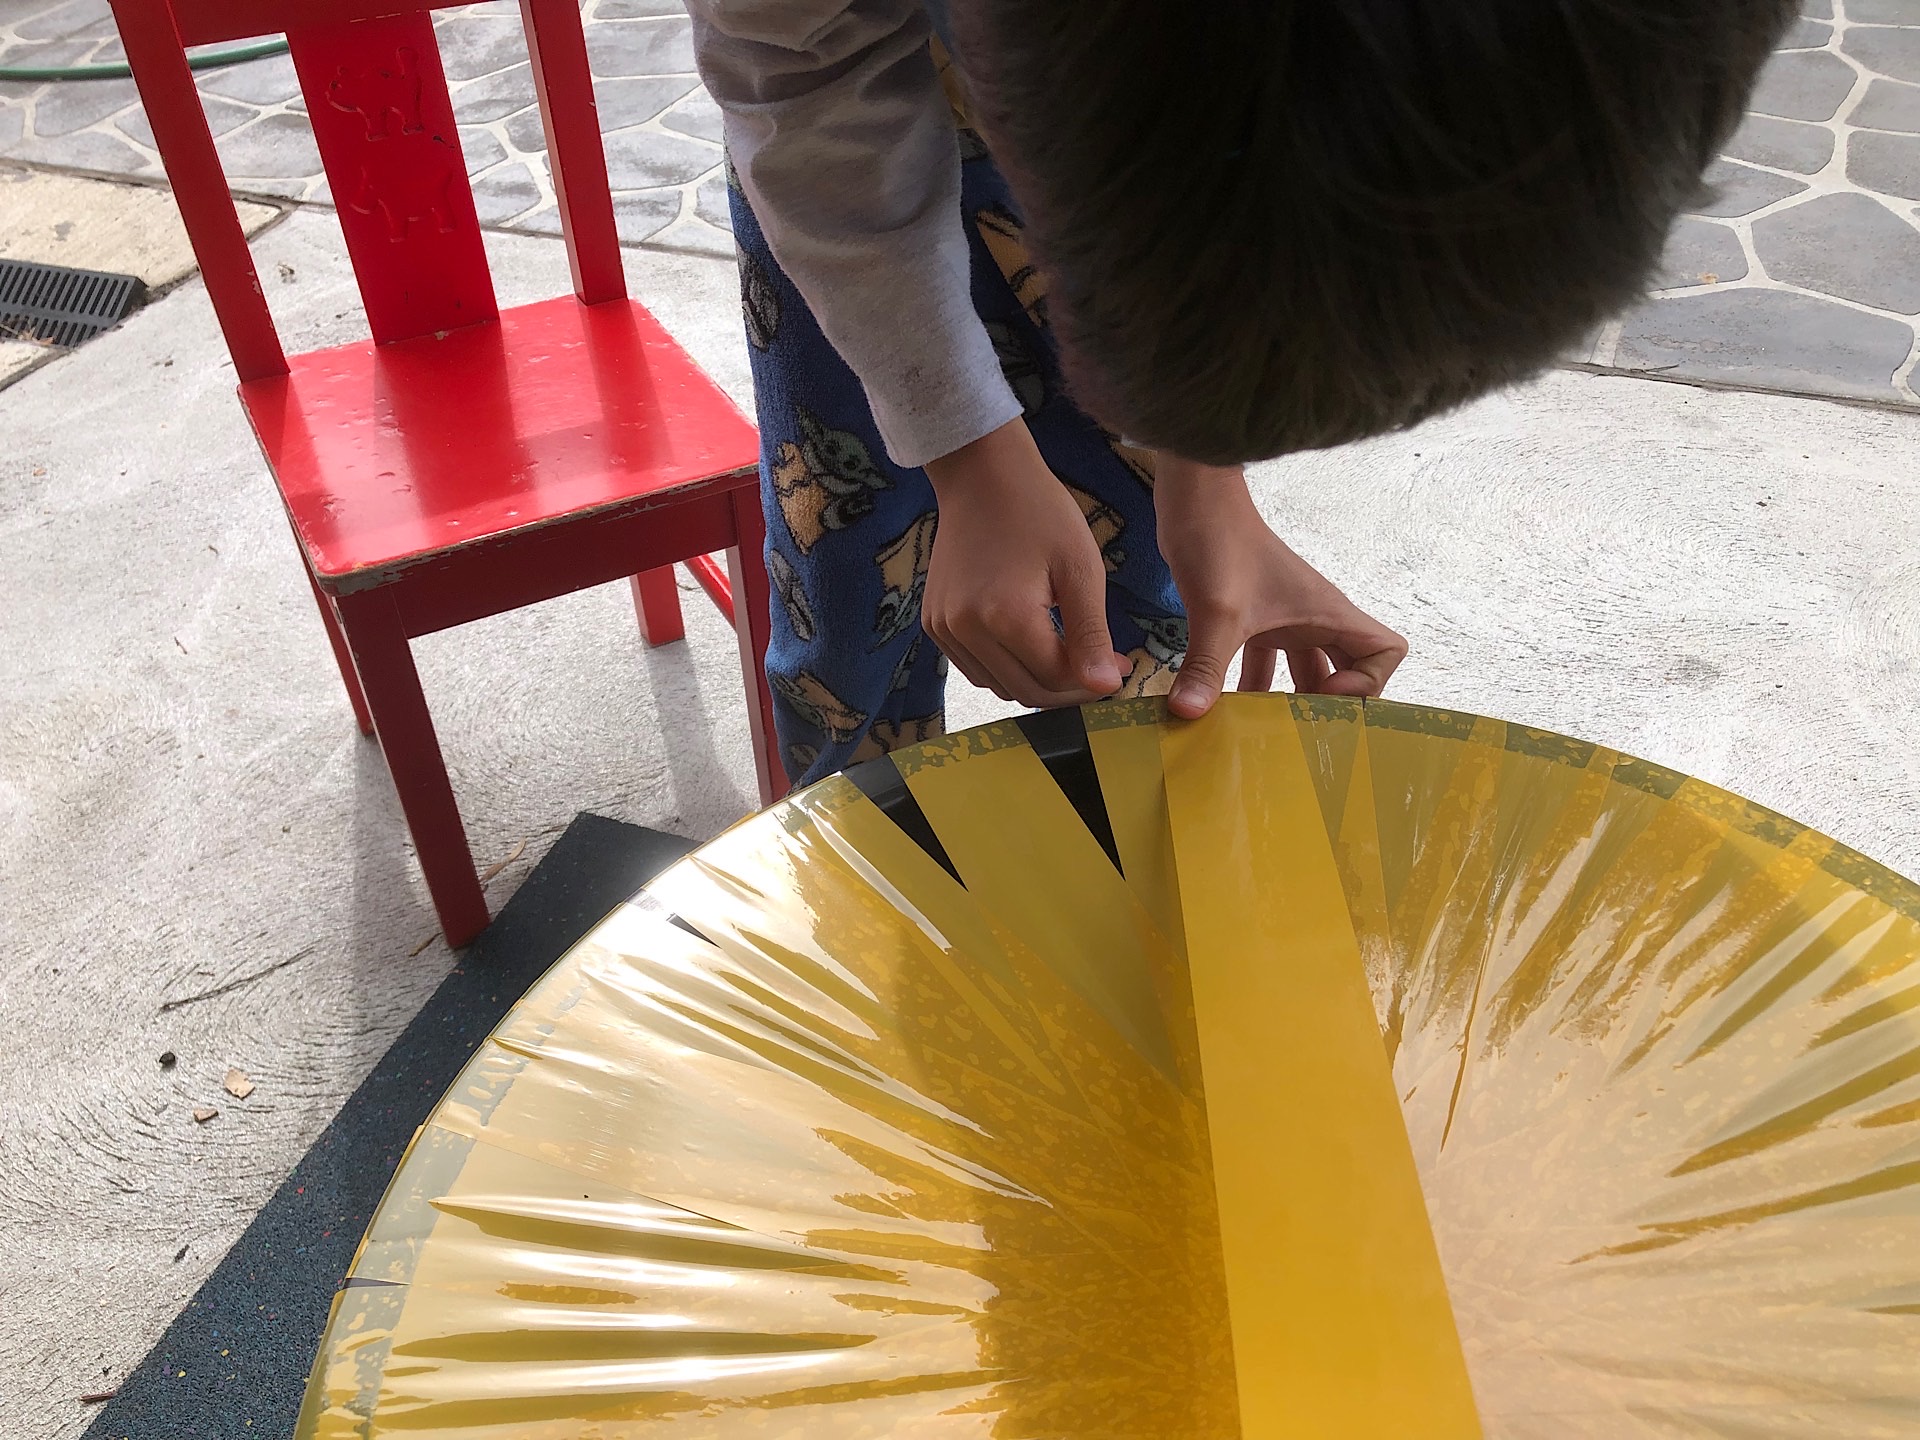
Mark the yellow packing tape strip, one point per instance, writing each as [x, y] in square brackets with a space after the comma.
[1341, 1322]
[1080, 918]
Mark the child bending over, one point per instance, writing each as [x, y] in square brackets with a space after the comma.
[1019, 316]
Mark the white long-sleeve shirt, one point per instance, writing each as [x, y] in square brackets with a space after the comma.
[843, 141]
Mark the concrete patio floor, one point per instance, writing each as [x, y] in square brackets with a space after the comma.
[1725, 582]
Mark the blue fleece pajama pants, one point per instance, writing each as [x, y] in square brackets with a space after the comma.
[849, 533]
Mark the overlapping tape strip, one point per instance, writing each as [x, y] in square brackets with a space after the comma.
[1318, 1070]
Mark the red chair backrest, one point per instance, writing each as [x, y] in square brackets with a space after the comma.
[377, 96]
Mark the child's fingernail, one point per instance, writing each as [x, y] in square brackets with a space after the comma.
[1103, 676]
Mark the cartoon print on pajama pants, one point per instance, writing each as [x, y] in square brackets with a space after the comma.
[850, 534]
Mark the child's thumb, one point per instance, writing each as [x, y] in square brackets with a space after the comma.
[1203, 674]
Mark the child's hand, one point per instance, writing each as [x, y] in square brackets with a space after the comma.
[1243, 587]
[1011, 547]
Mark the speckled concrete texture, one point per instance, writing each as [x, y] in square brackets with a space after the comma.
[55, 219]
[1728, 584]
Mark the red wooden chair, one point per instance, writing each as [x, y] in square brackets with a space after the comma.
[468, 461]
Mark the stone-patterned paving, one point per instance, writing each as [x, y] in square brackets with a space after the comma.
[662, 132]
[1802, 273]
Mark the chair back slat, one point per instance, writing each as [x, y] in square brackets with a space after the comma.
[576, 156]
[377, 96]
[180, 133]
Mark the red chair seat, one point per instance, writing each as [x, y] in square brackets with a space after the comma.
[391, 454]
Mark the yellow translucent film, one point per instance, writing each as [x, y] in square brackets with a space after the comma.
[1004, 1089]
[1341, 1324]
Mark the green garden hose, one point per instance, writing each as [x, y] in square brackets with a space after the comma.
[207, 60]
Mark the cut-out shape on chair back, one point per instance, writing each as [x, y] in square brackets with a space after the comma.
[384, 122]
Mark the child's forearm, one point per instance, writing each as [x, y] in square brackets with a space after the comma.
[844, 146]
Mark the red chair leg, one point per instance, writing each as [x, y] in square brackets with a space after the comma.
[657, 597]
[753, 624]
[400, 718]
[342, 656]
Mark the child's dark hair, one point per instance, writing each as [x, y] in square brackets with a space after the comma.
[1273, 225]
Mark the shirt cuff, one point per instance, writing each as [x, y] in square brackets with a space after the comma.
[948, 395]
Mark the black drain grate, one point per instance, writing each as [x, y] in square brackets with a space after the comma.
[58, 306]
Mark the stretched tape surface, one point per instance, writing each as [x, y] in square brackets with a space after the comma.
[1624, 1073]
